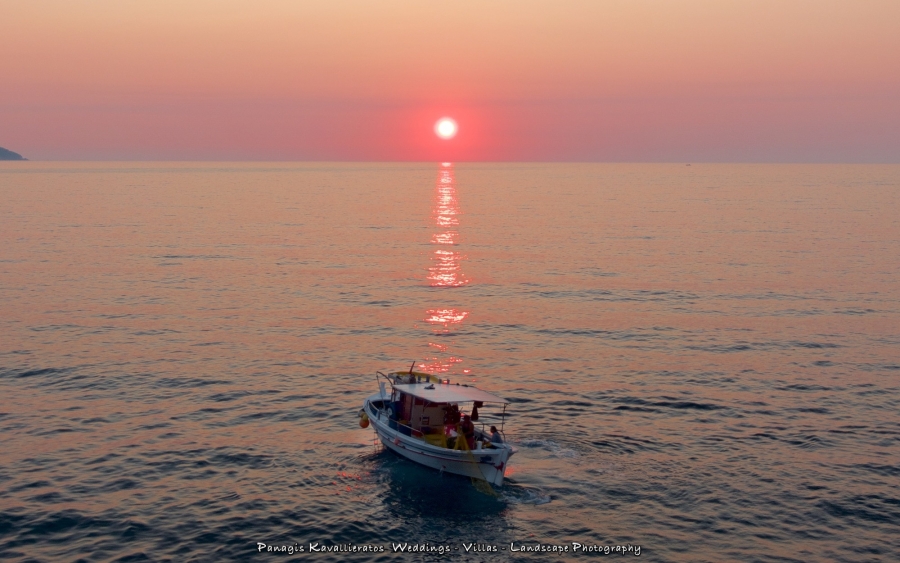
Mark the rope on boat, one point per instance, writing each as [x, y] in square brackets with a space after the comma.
[481, 484]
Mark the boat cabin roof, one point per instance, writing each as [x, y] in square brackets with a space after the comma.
[445, 393]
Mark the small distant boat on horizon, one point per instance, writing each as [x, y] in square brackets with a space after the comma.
[422, 418]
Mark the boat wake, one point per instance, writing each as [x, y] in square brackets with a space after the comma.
[551, 447]
[516, 494]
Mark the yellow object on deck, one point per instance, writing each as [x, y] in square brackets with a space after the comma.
[436, 440]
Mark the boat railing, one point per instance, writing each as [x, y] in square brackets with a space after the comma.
[418, 434]
[486, 436]
[408, 430]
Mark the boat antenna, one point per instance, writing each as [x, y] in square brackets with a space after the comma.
[411, 367]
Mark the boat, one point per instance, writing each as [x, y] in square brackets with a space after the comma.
[422, 418]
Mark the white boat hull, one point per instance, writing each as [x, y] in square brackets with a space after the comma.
[488, 464]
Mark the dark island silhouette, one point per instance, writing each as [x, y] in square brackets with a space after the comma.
[9, 155]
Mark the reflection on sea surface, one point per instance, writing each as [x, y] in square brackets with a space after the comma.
[445, 317]
[445, 270]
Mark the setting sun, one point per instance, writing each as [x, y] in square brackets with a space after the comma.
[445, 128]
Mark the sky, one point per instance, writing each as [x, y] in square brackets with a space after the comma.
[526, 80]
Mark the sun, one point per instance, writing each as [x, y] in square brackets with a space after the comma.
[445, 128]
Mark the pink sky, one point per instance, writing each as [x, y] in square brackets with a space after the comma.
[573, 80]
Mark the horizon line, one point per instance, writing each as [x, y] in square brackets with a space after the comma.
[429, 161]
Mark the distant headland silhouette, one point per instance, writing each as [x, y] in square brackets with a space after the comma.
[9, 155]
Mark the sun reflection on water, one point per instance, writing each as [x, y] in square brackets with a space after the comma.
[449, 237]
[445, 317]
[446, 267]
[445, 270]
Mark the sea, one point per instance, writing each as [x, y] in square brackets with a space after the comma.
[702, 361]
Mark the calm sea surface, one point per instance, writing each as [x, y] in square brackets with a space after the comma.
[703, 361]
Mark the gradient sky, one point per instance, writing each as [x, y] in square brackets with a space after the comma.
[569, 80]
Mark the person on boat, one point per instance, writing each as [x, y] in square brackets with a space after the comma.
[452, 416]
[468, 430]
[496, 438]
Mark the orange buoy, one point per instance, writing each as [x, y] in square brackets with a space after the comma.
[364, 420]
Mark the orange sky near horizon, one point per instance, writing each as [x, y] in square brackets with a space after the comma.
[596, 80]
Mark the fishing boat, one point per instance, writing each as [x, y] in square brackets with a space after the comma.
[429, 420]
